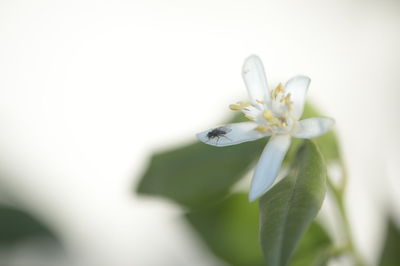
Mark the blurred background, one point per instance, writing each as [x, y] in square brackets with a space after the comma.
[89, 90]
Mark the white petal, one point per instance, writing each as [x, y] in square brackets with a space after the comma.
[231, 134]
[313, 127]
[254, 77]
[268, 166]
[297, 87]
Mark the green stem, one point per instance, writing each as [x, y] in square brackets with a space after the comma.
[338, 194]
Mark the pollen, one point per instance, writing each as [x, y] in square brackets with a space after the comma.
[243, 104]
[262, 128]
[235, 107]
[268, 115]
[288, 101]
[279, 88]
[239, 106]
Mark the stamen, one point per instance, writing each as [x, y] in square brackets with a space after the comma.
[274, 121]
[268, 115]
[243, 104]
[235, 107]
[262, 128]
[259, 101]
[249, 117]
[239, 106]
[279, 88]
[288, 101]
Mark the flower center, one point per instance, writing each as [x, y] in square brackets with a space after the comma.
[272, 117]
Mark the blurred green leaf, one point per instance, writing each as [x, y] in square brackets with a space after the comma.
[391, 251]
[230, 230]
[313, 247]
[16, 225]
[290, 206]
[196, 175]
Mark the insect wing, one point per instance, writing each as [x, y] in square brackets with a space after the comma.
[225, 129]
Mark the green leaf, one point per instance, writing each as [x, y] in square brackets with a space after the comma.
[230, 230]
[391, 251]
[16, 225]
[196, 175]
[287, 210]
[313, 247]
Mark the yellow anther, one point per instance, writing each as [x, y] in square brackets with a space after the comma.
[235, 107]
[279, 88]
[249, 117]
[287, 100]
[259, 101]
[244, 105]
[239, 106]
[268, 115]
[262, 128]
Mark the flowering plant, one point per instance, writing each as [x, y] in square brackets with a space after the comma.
[202, 179]
[274, 113]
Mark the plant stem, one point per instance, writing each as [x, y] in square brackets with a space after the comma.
[338, 194]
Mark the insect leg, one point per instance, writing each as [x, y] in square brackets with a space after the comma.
[226, 137]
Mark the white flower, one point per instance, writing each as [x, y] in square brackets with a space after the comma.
[274, 113]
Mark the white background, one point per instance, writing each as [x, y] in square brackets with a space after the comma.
[89, 89]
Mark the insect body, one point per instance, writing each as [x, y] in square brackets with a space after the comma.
[218, 133]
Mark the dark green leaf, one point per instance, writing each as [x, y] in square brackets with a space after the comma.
[198, 174]
[290, 206]
[230, 230]
[16, 226]
[391, 251]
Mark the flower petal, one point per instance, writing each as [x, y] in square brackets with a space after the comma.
[254, 77]
[231, 134]
[297, 87]
[313, 127]
[268, 166]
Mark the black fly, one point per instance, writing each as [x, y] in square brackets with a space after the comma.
[218, 133]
